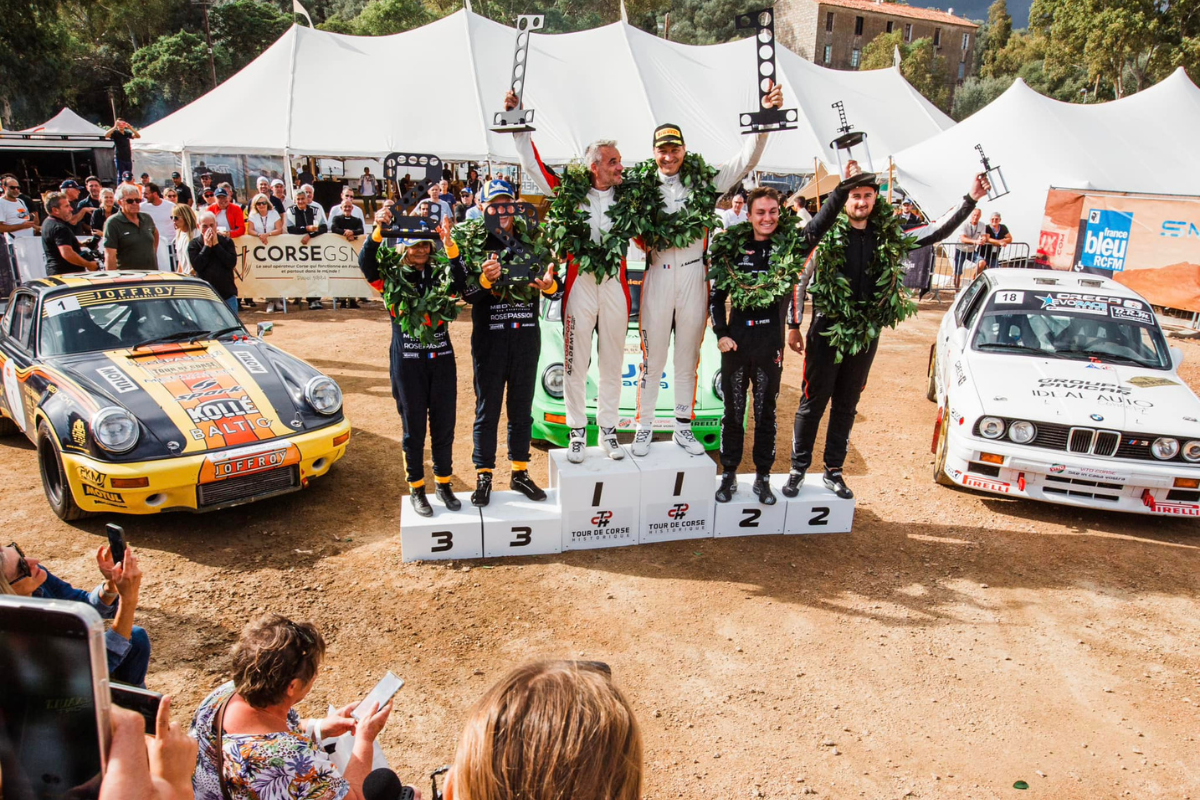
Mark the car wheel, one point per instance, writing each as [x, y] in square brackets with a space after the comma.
[8, 427]
[939, 462]
[931, 387]
[54, 477]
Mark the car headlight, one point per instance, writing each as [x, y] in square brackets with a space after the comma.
[552, 380]
[1165, 448]
[115, 429]
[991, 427]
[1022, 432]
[323, 395]
[717, 390]
[1191, 451]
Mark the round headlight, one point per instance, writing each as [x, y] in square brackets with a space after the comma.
[991, 427]
[717, 390]
[1164, 448]
[552, 380]
[323, 395]
[115, 429]
[1191, 451]
[1022, 432]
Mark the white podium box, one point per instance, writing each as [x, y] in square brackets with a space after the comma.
[677, 494]
[446, 535]
[600, 499]
[744, 515]
[514, 525]
[816, 509]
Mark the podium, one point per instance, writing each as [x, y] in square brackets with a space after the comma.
[514, 525]
[745, 516]
[600, 499]
[816, 509]
[444, 536]
[677, 494]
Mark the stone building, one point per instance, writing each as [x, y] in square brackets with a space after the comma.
[833, 33]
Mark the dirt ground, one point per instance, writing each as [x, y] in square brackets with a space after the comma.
[953, 644]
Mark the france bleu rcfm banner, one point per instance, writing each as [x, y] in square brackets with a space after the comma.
[1150, 243]
[286, 266]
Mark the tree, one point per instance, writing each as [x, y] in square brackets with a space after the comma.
[708, 21]
[977, 92]
[383, 17]
[919, 64]
[30, 62]
[171, 72]
[245, 28]
[999, 31]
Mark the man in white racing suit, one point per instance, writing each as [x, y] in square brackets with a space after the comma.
[590, 304]
[675, 291]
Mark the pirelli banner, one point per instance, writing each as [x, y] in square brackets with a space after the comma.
[327, 266]
[1148, 242]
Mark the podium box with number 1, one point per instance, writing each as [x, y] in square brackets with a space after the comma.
[600, 499]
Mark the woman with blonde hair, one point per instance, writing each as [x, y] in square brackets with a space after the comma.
[186, 226]
[546, 731]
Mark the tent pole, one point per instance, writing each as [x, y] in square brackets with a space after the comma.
[185, 169]
[287, 132]
[817, 178]
[891, 177]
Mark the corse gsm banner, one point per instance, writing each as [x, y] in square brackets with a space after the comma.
[1150, 243]
[327, 266]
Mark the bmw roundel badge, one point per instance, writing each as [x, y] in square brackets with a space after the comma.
[1097, 418]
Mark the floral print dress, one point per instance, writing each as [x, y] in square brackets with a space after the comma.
[271, 766]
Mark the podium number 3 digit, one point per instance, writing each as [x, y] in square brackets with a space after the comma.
[524, 536]
[444, 539]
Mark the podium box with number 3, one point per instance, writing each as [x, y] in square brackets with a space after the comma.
[600, 499]
[445, 535]
[514, 525]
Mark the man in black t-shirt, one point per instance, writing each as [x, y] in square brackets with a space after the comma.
[996, 236]
[92, 199]
[183, 192]
[122, 134]
[59, 243]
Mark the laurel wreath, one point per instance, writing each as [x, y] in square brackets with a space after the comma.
[644, 214]
[471, 238]
[855, 323]
[420, 313]
[569, 229]
[784, 265]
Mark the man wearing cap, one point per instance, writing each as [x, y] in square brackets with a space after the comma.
[840, 348]
[424, 376]
[674, 290]
[205, 183]
[505, 344]
[591, 304]
[80, 214]
[229, 215]
[183, 192]
[278, 196]
[466, 201]
[909, 218]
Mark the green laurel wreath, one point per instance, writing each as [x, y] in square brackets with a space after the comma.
[785, 264]
[569, 230]
[471, 238]
[855, 323]
[644, 213]
[419, 313]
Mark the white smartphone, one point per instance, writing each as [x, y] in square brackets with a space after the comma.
[381, 694]
[54, 707]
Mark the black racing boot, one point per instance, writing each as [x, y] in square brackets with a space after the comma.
[419, 502]
[762, 489]
[727, 488]
[836, 484]
[525, 485]
[483, 490]
[446, 495]
[795, 481]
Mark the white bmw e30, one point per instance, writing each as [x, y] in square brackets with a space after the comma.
[1060, 387]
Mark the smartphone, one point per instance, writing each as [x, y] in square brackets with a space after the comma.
[381, 694]
[142, 701]
[116, 542]
[55, 704]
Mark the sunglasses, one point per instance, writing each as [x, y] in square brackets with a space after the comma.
[261, 203]
[23, 570]
[133, 202]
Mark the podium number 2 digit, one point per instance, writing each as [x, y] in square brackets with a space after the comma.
[524, 536]
[820, 516]
[598, 491]
[678, 484]
[444, 539]
[750, 520]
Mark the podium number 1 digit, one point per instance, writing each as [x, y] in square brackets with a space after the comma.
[678, 484]
[596, 494]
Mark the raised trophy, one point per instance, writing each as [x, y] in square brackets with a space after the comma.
[764, 119]
[997, 186]
[521, 264]
[407, 223]
[850, 145]
[519, 119]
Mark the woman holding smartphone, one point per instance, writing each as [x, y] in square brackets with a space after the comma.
[254, 745]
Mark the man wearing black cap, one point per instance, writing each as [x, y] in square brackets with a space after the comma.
[183, 192]
[80, 214]
[205, 183]
[848, 286]
[674, 289]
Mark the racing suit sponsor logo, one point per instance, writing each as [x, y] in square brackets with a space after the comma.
[569, 343]
[118, 380]
[985, 484]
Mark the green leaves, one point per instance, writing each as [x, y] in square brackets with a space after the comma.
[419, 313]
[648, 214]
[786, 263]
[569, 228]
[471, 238]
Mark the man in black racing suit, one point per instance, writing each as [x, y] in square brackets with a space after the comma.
[751, 340]
[505, 345]
[824, 377]
[424, 377]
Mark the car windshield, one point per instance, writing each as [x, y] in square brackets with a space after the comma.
[552, 309]
[1115, 330]
[119, 317]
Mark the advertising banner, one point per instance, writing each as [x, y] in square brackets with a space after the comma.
[1150, 243]
[327, 266]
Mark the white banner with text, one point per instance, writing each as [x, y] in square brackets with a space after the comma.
[327, 266]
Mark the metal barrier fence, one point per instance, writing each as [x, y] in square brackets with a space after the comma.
[950, 257]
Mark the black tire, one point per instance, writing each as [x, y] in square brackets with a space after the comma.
[931, 387]
[939, 462]
[8, 427]
[54, 477]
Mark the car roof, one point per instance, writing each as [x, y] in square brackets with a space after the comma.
[1058, 280]
[102, 278]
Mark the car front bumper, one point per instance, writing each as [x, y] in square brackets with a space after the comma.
[208, 481]
[549, 424]
[1054, 476]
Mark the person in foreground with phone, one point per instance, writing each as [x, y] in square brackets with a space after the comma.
[144, 767]
[549, 730]
[254, 745]
[116, 598]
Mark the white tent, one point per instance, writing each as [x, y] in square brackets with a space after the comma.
[68, 122]
[613, 82]
[1141, 143]
[66, 130]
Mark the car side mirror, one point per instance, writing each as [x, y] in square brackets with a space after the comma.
[264, 329]
[1176, 357]
[959, 339]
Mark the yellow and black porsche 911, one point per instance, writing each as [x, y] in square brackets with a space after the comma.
[143, 393]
